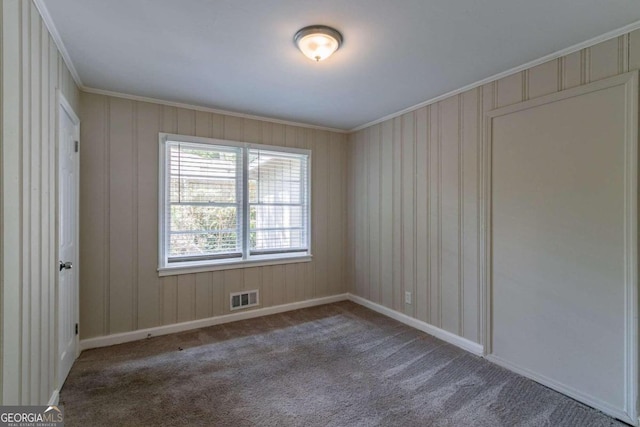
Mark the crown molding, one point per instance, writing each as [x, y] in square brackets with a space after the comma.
[44, 12]
[48, 21]
[555, 55]
[208, 110]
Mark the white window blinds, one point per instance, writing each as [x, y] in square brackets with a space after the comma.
[228, 203]
[204, 213]
[278, 208]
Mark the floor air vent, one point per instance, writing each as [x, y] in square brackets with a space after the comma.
[244, 299]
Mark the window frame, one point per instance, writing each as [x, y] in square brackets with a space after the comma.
[166, 268]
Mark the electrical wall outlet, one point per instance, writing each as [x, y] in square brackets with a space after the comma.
[407, 297]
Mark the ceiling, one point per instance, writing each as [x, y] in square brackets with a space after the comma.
[238, 55]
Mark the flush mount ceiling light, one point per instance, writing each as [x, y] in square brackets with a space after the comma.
[318, 42]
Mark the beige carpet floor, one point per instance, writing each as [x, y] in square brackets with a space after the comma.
[333, 365]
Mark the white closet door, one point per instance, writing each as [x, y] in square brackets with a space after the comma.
[563, 211]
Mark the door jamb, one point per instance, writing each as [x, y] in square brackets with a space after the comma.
[63, 104]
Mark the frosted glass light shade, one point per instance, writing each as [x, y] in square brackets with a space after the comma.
[318, 42]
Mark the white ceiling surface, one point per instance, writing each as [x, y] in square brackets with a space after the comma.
[238, 55]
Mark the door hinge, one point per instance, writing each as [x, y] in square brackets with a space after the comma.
[76, 329]
[76, 146]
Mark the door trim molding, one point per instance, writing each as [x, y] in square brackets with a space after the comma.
[64, 105]
[55, 398]
[630, 82]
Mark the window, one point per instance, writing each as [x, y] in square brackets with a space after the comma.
[224, 203]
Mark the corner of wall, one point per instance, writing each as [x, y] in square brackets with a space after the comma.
[1, 203]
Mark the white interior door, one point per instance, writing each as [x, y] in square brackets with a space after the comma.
[68, 179]
[564, 261]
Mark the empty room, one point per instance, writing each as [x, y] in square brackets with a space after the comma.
[319, 213]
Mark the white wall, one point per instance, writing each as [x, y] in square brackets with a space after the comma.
[32, 71]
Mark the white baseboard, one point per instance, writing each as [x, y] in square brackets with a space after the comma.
[140, 334]
[449, 337]
[55, 398]
[564, 389]
[454, 339]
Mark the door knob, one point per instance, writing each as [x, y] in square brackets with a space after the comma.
[65, 265]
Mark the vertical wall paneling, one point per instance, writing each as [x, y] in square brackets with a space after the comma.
[471, 117]
[543, 79]
[52, 75]
[32, 73]
[398, 288]
[344, 198]
[510, 89]
[26, 199]
[218, 301]
[169, 300]
[373, 211]
[571, 70]
[415, 191]
[121, 232]
[134, 219]
[604, 60]
[291, 282]
[93, 218]
[351, 213]
[360, 276]
[434, 215]
[2, 278]
[633, 50]
[489, 102]
[106, 193]
[203, 302]
[266, 295]
[421, 297]
[148, 284]
[354, 163]
[46, 220]
[278, 285]
[319, 195]
[335, 208]
[252, 131]
[35, 190]
[585, 65]
[11, 280]
[407, 160]
[362, 223]
[186, 297]
[120, 287]
[386, 213]
[460, 205]
[449, 214]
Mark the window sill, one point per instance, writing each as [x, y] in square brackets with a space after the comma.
[199, 267]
